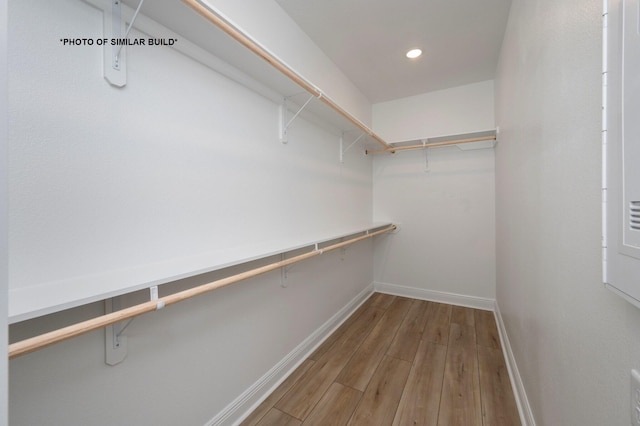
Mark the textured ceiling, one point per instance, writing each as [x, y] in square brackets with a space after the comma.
[368, 39]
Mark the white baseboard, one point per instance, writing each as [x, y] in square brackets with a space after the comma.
[483, 303]
[249, 400]
[524, 409]
[526, 415]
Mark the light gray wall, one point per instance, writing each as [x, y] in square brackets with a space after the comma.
[462, 109]
[446, 244]
[575, 343]
[4, 284]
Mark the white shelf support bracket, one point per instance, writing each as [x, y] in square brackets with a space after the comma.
[153, 296]
[115, 64]
[283, 273]
[344, 151]
[115, 343]
[343, 251]
[115, 70]
[426, 155]
[284, 124]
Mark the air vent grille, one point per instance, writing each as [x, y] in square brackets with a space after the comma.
[634, 215]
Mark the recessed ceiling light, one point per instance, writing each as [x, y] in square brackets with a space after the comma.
[414, 53]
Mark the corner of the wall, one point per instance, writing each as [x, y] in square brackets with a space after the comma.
[524, 409]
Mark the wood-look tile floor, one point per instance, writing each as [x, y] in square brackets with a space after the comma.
[399, 361]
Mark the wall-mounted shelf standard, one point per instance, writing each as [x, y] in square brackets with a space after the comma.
[317, 248]
[479, 141]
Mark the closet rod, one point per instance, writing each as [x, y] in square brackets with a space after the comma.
[250, 44]
[431, 145]
[38, 342]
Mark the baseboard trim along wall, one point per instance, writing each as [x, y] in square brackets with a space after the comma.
[250, 399]
[526, 415]
[485, 304]
[524, 409]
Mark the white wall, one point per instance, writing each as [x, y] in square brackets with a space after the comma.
[4, 285]
[179, 161]
[446, 245]
[574, 342]
[463, 109]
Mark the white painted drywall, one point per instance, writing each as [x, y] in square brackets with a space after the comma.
[462, 109]
[447, 241]
[574, 342]
[4, 255]
[179, 159]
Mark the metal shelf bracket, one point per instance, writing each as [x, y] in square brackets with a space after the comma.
[284, 124]
[115, 65]
[343, 150]
[343, 250]
[283, 272]
[115, 344]
[426, 155]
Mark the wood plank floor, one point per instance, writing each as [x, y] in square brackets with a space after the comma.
[399, 361]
